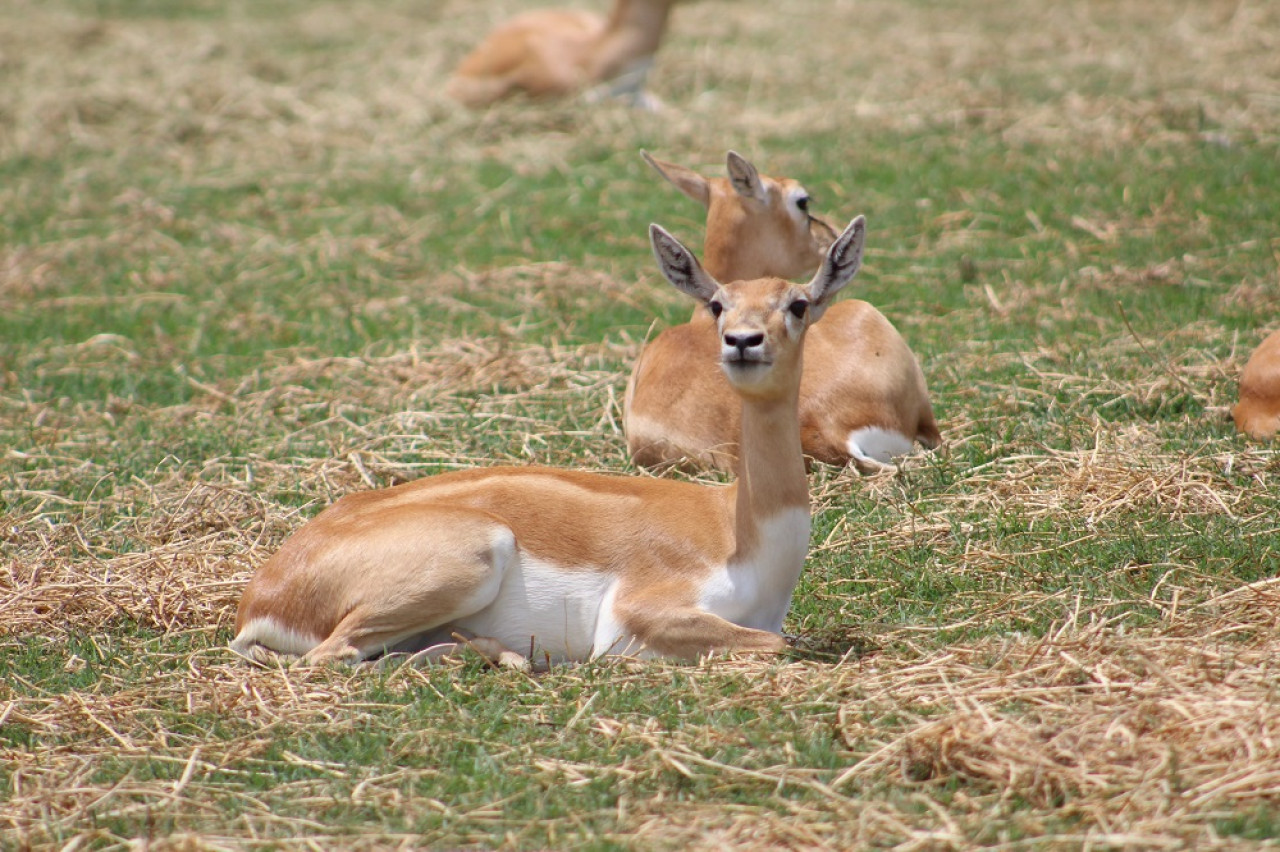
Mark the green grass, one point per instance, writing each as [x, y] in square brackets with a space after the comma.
[251, 260]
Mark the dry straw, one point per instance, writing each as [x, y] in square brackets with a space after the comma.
[1094, 734]
[1142, 739]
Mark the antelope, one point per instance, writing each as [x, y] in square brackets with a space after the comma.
[1258, 412]
[557, 52]
[536, 563]
[862, 396]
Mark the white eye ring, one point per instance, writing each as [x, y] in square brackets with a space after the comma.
[800, 199]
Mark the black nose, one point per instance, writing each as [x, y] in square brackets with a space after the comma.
[743, 342]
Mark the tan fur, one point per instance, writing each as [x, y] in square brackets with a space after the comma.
[678, 408]
[558, 52]
[462, 554]
[1258, 412]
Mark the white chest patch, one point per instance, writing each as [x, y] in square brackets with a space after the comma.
[756, 592]
[876, 444]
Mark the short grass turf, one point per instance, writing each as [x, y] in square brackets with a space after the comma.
[251, 260]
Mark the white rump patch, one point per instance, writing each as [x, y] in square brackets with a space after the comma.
[878, 445]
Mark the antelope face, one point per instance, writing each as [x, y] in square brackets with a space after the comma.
[802, 222]
[761, 326]
[761, 323]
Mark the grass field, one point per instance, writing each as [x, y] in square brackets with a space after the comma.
[251, 260]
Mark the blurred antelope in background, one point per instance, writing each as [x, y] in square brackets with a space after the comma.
[557, 52]
[1258, 412]
[862, 396]
[530, 563]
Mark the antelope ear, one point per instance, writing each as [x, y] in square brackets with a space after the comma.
[744, 177]
[687, 181]
[680, 267]
[843, 260]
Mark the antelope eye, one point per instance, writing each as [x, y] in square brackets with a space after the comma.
[716, 309]
[803, 203]
[798, 307]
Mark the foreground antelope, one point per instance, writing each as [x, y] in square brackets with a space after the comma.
[862, 395]
[551, 52]
[1258, 412]
[559, 565]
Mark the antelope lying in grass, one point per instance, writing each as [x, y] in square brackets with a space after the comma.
[555, 52]
[1258, 412]
[549, 564]
[862, 396]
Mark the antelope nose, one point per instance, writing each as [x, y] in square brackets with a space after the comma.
[743, 341]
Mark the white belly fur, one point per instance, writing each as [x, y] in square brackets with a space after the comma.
[553, 611]
[757, 592]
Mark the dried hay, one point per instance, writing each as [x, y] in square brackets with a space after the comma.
[1092, 735]
[1132, 473]
[1149, 736]
[223, 92]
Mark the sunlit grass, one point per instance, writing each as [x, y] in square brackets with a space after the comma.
[252, 261]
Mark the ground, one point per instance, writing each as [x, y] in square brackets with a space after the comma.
[252, 260]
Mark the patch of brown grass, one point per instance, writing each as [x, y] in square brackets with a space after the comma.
[1149, 736]
[1093, 735]
[1124, 471]
[84, 83]
[1090, 735]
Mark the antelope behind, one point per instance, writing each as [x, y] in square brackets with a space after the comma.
[1257, 414]
[549, 564]
[862, 396]
[557, 52]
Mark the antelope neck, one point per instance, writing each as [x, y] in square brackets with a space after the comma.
[771, 471]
